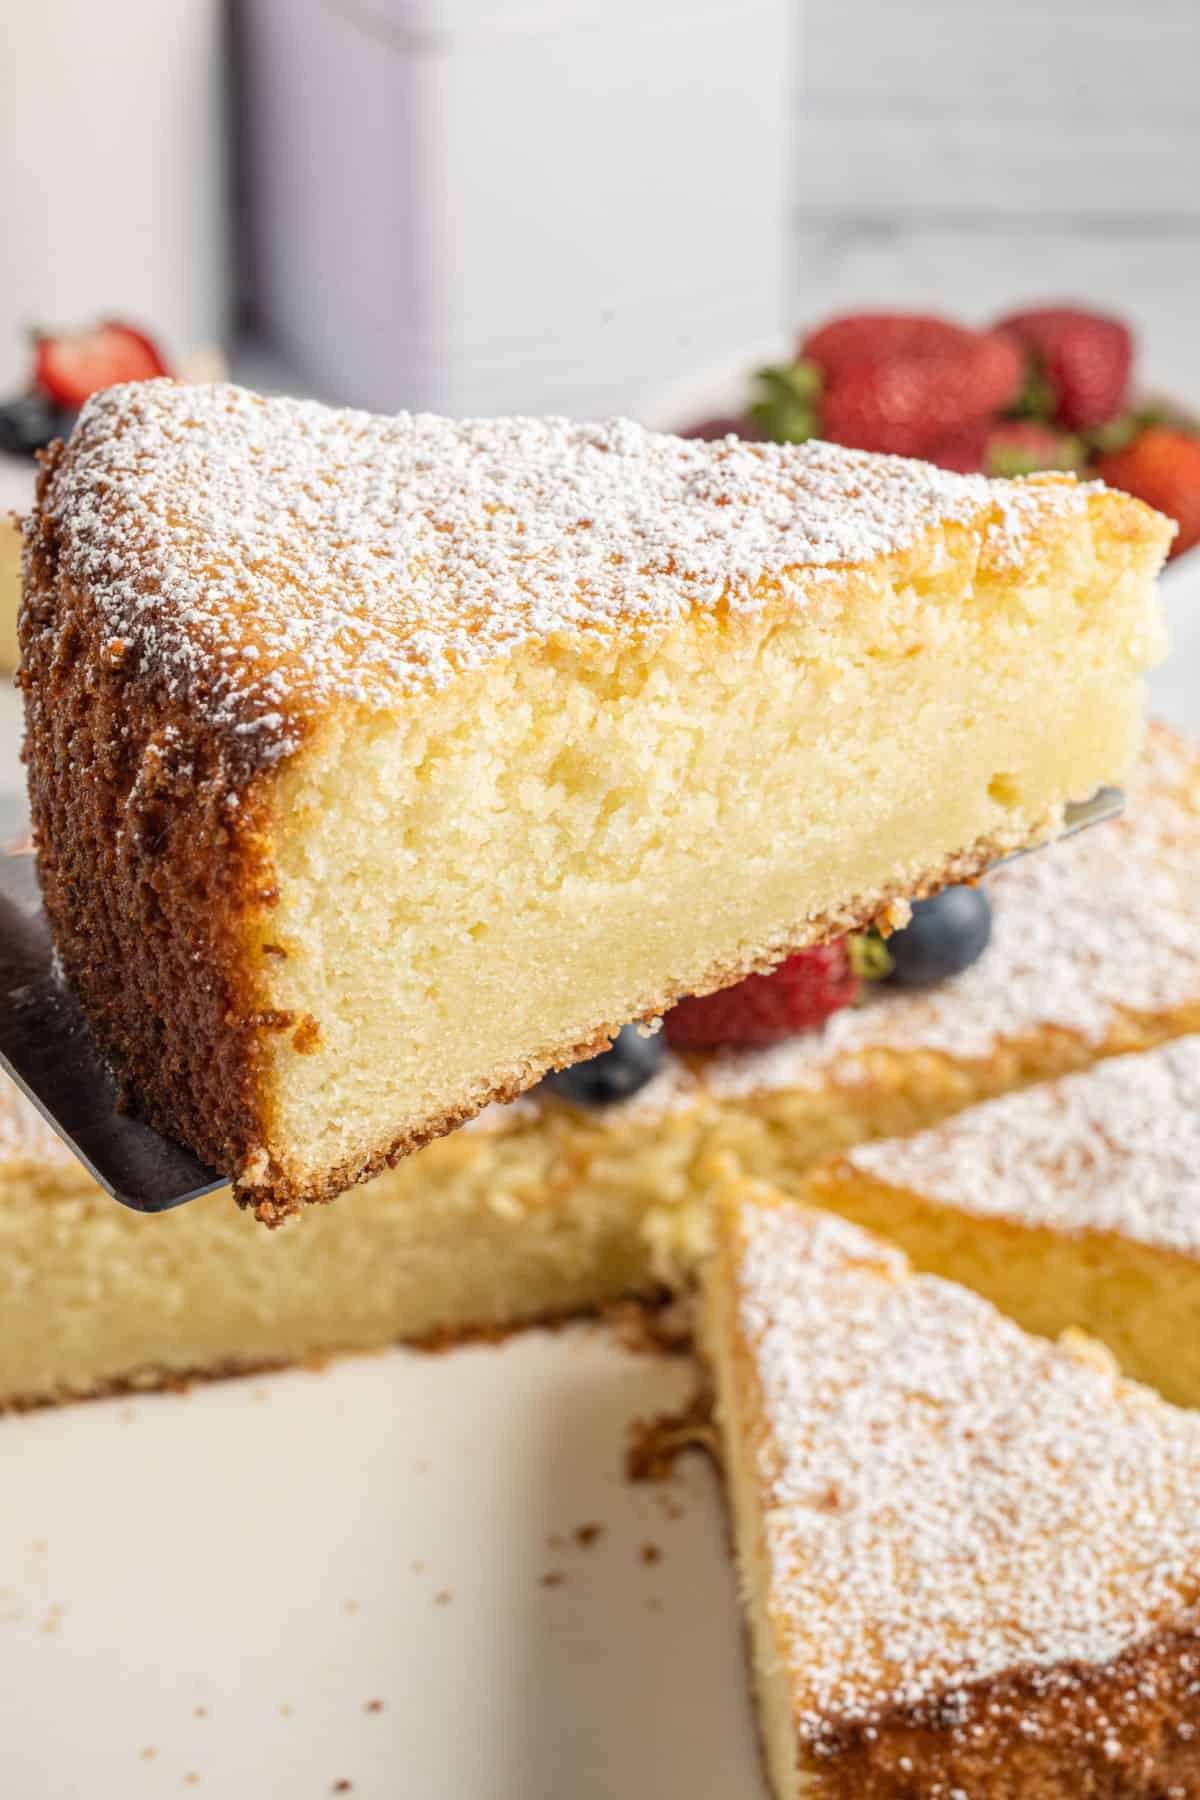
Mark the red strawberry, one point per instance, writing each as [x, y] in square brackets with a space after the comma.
[879, 337]
[1162, 467]
[1084, 357]
[963, 451]
[762, 1009]
[1021, 446]
[72, 367]
[910, 403]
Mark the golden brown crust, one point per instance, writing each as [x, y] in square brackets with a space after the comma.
[1127, 1731]
[148, 876]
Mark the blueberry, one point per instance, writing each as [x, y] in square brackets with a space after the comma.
[613, 1075]
[29, 423]
[945, 936]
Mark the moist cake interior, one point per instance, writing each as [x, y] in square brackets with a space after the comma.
[819, 787]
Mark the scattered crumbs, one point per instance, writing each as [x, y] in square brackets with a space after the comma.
[285, 1711]
[200, 1712]
[442, 1597]
[554, 1541]
[656, 1444]
[552, 1578]
[373, 1706]
[342, 1787]
[418, 1565]
[651, 1553]
[652, 1327]
[350, 1606]
[587, 1535]
[39, 1544]
[191, 1779]
[149, 1753]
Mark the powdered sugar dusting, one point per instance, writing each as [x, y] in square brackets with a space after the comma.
[269, 557]
[946, 1497]
[1115, 1150]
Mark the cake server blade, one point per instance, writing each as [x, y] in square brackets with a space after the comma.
[1105, 803]
[46, 1047]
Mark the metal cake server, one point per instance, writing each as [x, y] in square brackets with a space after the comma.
[46, 1047]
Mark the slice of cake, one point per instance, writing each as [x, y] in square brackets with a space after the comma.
[378, 765]
[1076, 1203]
[970, 1558]
[547, 1206]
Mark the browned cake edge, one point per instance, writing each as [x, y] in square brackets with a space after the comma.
[148, 876]
[154, 862]
[1126, 1730]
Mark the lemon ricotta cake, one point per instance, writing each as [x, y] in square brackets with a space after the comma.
[378, 765]
[1072, 1204]
[970, 1558]
[546, 1206]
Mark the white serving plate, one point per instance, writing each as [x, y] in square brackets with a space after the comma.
[271, 1551]
[227, 1579]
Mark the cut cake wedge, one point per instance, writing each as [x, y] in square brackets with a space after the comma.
[379, 764]
[1072, 1204]
[970, 1558]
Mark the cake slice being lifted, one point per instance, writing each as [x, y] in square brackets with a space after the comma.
[970, 1557]
[378, 764]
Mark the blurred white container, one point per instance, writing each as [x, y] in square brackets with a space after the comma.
[112, 159]
[548, 206]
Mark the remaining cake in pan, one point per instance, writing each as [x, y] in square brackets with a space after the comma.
[1076, 1203]
[378, 765]
[546, 1206]
[970, 1558]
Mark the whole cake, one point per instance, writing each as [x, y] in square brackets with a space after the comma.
[970, 1558]
[549, 1206]
[378, 765]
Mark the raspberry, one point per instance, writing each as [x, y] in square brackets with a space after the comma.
[763, 1009]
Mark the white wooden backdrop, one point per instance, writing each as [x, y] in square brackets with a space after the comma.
[973, 154]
